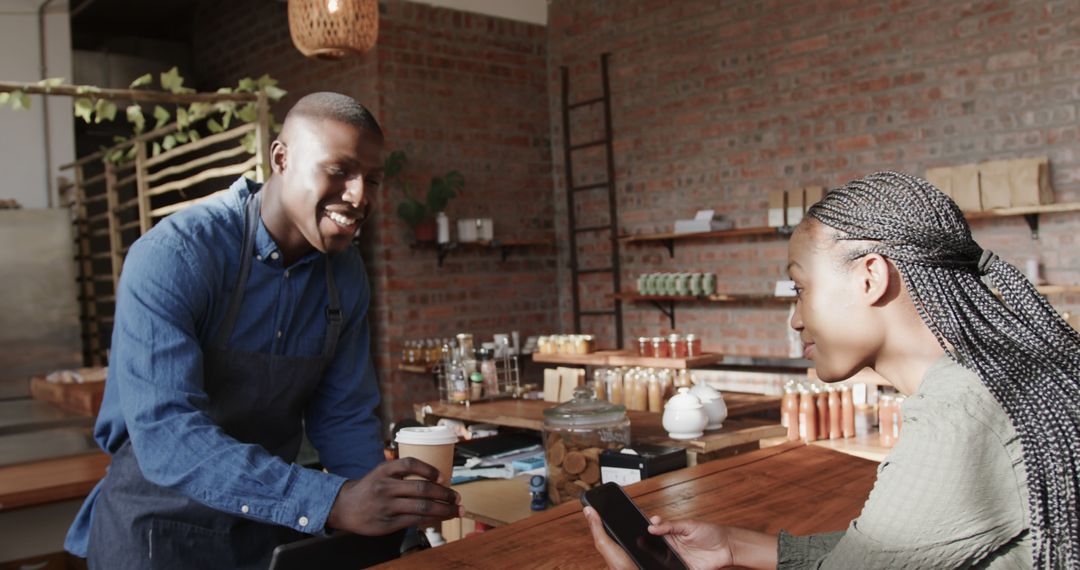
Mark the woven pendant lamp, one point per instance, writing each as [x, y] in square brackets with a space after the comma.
[330, 29]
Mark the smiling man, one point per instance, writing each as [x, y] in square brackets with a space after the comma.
[241, 323]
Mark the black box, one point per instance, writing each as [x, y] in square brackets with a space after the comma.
[650, 461]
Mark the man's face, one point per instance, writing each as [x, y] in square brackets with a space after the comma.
[331, 171]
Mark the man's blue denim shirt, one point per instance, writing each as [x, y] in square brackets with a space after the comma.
[171, 299]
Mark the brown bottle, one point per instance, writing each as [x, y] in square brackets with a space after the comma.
[807, 416]
[821, 399]
[790, 413]
[847, 412]
[834, 413]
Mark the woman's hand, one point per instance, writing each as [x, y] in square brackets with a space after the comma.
[700, 545]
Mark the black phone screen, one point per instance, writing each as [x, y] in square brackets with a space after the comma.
[627, 525]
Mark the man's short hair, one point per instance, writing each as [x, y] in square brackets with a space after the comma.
[336, 107]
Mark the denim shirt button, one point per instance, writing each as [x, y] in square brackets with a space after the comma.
[303, 521]
[244, 509]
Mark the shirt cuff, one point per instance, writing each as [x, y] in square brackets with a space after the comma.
[313, 494]
[804, 551]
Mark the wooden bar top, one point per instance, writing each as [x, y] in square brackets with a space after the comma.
[799, 488]
[39, 482]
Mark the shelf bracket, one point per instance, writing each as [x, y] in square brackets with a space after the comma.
[505, 252]
[667, 308]
[670, 245]
[1033, 224]
[443, 251]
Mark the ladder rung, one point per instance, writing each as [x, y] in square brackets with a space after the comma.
[597, 270]
[596, 186]
[588, 144]
[585, 103]
[595, 313]
[101, 255]
[591, 229]
[129, 225]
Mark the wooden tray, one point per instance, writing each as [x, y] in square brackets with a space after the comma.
[76, 398]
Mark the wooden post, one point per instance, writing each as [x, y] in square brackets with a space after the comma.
[112, 201]
[142, 187]
[91, 340]
[262, 138]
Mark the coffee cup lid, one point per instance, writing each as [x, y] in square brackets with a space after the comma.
[428, 435]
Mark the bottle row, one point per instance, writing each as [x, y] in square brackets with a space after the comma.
[812, 412]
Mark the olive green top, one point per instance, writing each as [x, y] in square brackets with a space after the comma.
[952, 493]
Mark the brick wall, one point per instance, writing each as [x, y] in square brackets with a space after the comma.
[455, 91]
[717, 103]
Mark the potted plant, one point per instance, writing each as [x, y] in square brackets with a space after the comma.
[421, 215]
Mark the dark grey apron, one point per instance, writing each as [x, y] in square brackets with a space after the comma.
[256, 398]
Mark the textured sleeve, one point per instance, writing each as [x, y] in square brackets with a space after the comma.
[796, 552]
[945, 497]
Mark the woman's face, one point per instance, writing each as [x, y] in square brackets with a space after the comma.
[832, 315]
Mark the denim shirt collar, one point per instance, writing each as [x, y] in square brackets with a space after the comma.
[266, 249]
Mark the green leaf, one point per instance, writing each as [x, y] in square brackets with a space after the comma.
[130, 154]
[169, 142]
[51, 82]
[156, 149]
[394, 164]
[226, 118]
[4, 98]
[19, 100]
[246, 84]
[135, 117]
[181, 137]
[248, 113]
[412, 212]
[274, 93]
[198, 110]
[162, 115]
[182, 119]
[194, 135]
[117, 139]
[84, 109]
[104, 110]
[214, 126]
[248, 142]
[86, 89]
[144, 79]
[276, 127]
[266, 81]
[171, 80]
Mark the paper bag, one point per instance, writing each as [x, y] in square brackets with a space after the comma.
[941, 178]
[965, 188]
[795, 207]
[777, 208]
[1029, 182]
[994, 181]
[812, 195]
[551, 385]
[569, 379]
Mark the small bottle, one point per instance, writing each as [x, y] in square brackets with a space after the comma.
[847, 412]
[615, 387]
[442, 224]
[789, 393]
[599, 385]
[656, 402]
[790, 412]
[667, 385]
[834, 413]
[476, 386]
[661, 348]
[821, 400]
[641, 393]
[885, 421]
[807, 416]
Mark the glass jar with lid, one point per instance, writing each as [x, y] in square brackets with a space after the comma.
[575, 433]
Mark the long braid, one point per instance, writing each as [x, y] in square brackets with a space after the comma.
[1023, 351]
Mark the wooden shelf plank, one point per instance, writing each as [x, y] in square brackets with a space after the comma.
[627, 358]
[52, 480]
[1024, 210]
[415, 368]
[717, 298]
[722, 234]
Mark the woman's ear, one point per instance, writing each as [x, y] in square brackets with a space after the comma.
[278, 152]
[875, 278]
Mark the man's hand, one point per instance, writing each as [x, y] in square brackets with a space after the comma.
[383, 502]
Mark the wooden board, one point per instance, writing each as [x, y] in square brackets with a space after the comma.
[77, 398]
[51, 480]
[626, 358]
[799, 488]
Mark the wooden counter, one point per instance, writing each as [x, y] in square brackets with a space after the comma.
[802, 489]
[52, 480]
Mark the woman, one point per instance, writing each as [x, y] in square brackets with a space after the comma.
[986, 474]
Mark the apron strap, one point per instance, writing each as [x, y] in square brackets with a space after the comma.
[247, 250]
[334, 319]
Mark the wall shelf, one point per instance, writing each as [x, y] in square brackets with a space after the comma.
[415, 368]
[505, 246]
[669, 239]
[1030, 214]
[627, 358]
[666, 303]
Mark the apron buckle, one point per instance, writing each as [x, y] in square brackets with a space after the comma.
[333, 315]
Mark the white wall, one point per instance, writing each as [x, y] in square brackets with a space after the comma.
[22, 133]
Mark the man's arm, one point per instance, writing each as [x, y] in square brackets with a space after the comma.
[158, 368]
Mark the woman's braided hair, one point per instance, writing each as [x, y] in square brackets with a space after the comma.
[1024, 352]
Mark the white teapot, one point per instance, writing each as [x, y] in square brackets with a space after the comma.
[713, 403]
[684, 416]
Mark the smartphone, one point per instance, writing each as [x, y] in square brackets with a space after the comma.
[629, 527]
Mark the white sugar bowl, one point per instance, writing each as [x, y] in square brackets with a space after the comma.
[684, 416]
[713, 402]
